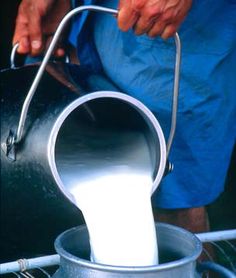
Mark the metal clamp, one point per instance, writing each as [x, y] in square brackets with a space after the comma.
[24, 111]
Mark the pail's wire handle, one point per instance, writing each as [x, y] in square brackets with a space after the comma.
[18, 136]
[13, 54]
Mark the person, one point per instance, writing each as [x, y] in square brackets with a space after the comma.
[136, 51]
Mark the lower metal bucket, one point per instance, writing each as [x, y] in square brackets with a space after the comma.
[178, 251]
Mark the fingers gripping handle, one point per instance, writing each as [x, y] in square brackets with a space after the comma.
[18, 136]
[20, 129]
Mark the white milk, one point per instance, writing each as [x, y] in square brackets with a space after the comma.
[118, 214]
[116, 203]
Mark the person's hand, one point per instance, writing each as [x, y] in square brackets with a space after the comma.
[152, 17]
[36, 22]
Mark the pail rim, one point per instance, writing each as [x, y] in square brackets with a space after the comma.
[131, 269]
[96, 95]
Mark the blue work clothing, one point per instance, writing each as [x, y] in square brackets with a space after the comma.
[143, 68]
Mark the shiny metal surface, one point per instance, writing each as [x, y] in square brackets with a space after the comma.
[13, 54]
[26, 264]
[175, 93]
[178, 251]
[118, 135]
[217, 235]
[52, 260]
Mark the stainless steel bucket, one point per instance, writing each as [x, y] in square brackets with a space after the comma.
[178, 251]
[37, 124]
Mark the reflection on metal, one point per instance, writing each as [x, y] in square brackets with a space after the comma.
[215, 238]
[13, 54]
[22, 265]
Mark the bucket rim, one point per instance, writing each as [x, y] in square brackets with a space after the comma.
[130, 269]
[96, 95]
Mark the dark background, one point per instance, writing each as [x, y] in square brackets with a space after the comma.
[8, 13]
[222, 212]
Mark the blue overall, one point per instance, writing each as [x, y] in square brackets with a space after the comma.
[143, 68]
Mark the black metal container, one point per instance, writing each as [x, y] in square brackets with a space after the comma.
[67, 99]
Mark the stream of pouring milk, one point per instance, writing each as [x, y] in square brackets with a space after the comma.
[116, 202]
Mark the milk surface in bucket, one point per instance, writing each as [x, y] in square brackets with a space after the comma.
[116, 205]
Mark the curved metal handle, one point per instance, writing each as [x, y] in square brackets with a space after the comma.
[13, 54]
[24, 111]
[175, 93]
